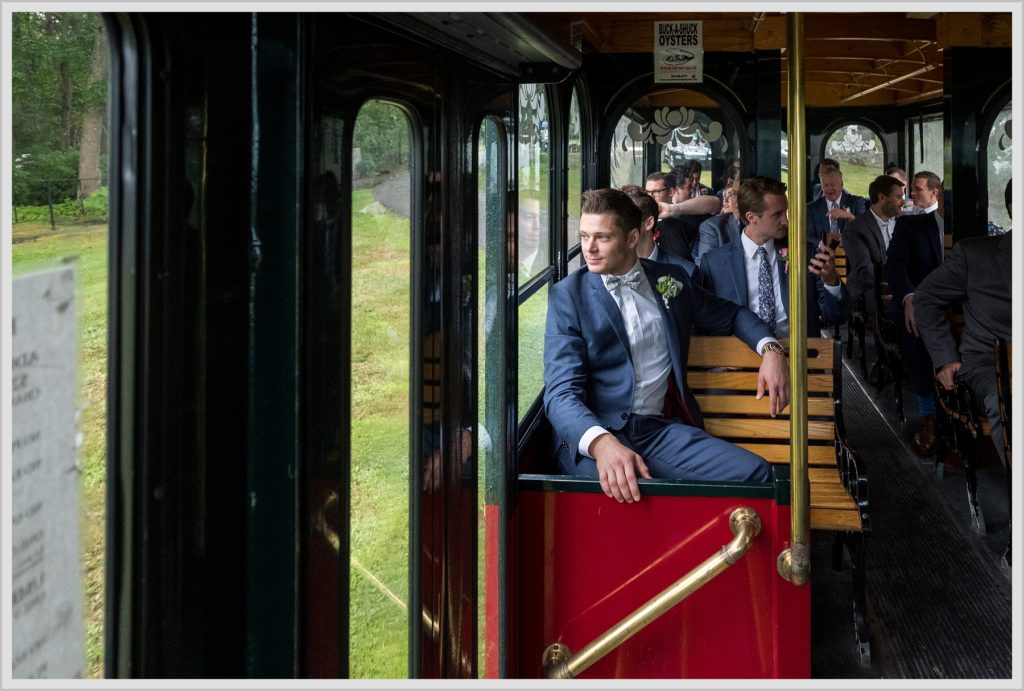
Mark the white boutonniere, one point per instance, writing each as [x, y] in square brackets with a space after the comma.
[669, 288]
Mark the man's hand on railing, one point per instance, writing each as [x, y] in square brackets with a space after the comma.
[618, 467]
[947, 374]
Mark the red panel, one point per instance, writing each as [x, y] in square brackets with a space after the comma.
[491, 573]
[586, 562]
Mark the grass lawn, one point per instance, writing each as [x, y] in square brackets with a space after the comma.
[37, 247]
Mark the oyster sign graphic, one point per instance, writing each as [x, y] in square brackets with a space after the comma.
[679, 52]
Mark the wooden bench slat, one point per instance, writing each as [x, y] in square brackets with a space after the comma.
[753, 428]
[729, 351]
[747, 381]
[745, 404]
[835, 519]
[817, 455]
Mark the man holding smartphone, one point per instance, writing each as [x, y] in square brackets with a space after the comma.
[753, 272]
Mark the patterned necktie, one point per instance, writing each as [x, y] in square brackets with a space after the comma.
[833, 225]
[632, 279]
[765, 293]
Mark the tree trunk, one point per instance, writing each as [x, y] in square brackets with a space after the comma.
[92, 121]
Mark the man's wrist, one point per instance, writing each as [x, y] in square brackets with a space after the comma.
[773, 346]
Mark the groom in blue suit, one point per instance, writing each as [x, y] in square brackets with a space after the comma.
[735, 272]
[615, 351]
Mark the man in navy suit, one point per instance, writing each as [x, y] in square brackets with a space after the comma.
[753, 273]
[647, 247]
[830, 212]
[915, 250]
[615, 351]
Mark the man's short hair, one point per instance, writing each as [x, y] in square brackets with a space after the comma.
[752, 193]
[644, 201]
[882, 186]
[895, 170]
[829, 162]
[615, 202]
[1008, 193]
[934, 181]
[668, 178]
[828, 171]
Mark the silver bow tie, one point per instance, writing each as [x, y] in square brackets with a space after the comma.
[632, 279]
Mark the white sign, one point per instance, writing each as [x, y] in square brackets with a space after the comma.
[679, 52]
[46, 589]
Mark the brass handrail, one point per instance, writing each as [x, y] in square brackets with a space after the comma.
[560, 663]
[794, 563]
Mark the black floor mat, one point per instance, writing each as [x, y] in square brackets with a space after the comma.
[939, 605]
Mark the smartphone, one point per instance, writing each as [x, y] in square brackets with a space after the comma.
[834, 244]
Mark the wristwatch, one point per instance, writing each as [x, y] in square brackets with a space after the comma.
[772, 345]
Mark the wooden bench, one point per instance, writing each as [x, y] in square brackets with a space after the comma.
[722, 373]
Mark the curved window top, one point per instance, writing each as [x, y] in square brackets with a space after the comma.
[999, 167]
[860, 154]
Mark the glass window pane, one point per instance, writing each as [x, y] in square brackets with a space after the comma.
[59, 246]
[532, 316]
[627, 156]
[575, 188]
[926, 146]
[534, 246]
[860, 155]
[490, 412]
[379, 572]
[999, 154]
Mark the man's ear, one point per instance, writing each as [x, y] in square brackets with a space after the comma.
[633, 237]
[649, 223]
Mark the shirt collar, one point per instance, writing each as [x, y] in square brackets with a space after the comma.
[878, 219]
[750, 247]
[654, 254]
[933, 207]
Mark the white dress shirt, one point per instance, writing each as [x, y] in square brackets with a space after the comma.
[648, 349]
[751, 264]
[885, 227]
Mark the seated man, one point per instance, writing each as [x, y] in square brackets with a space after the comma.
[979, 275]
[647, 247]
[866, 238]
[681, 214]
[615, 351]
[752, 272]
[830, 212]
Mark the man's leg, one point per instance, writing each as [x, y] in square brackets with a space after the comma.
[672, 449]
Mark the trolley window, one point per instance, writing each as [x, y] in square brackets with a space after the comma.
[860, 153]
[998, 165]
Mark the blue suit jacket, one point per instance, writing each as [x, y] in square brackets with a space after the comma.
[666, 257]
[588, 367]
[723, 272]
[817, 215]
[914, 251]
[717, 231]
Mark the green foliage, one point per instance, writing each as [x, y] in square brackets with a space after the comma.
[382, 137]
[50, 91]
[50, 57]
[33, 169]
[96, 203]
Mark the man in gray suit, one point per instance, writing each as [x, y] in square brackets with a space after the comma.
[979, 275]
[721, 229]
[866, 238]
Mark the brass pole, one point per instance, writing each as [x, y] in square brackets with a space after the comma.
[560, 663]
[795, 562]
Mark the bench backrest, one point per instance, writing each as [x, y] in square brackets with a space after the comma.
[723, 377]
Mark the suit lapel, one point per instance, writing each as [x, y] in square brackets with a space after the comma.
[780, 269]
[739, 272]
[935, 241]
[668, 317]
[610, 310]
[876, 233]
